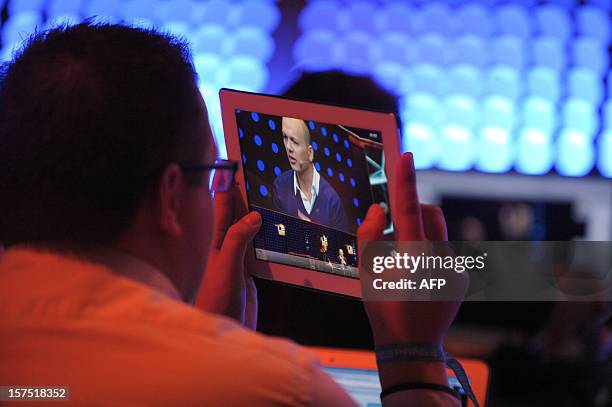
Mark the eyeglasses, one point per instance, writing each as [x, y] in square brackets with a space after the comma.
[221, 175]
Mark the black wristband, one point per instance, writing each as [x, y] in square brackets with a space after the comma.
[419, 386]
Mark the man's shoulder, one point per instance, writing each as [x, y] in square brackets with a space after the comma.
[284, 180]
[325, 188]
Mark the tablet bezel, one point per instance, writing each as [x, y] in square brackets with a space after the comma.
[385, 123]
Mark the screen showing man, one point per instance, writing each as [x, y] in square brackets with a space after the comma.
[312, 183]
[301, 191]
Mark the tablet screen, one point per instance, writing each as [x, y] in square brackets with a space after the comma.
[313, 183]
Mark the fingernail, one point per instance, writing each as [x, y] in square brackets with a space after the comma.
[253, 218]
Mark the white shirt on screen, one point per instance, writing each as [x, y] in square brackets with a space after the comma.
[314, 190]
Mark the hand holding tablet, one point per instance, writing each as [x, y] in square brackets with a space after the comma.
[311, 171]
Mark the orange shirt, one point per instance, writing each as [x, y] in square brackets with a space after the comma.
[116, 341]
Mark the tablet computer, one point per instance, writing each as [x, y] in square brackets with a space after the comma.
[356, 372]
[312, 171]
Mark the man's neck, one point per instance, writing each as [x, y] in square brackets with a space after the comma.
[305, 179]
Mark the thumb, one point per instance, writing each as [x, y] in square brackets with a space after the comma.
[238, 236]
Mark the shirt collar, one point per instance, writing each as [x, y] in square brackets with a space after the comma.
[315, 182]
[118, 262]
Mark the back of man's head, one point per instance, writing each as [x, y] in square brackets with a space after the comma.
[88, 114]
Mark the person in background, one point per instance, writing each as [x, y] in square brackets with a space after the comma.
[111, 230]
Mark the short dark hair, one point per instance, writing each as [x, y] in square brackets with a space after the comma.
[88, 113]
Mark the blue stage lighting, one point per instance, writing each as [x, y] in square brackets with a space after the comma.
[240, 132]
[554, 21]
[395, 47]
[335, 137]
[585, 84]
[316, 50]
[330, 172]
[261, 165]
[593, 22]
[498, 111]
[346, 143]
[423, 143]
[549, 52]
[20, 27]
[575, 153]
[580, 115]
[272, 124]
[356, 202]
[251, 41]
[426, 78]
[436, 16]
[466, 80]
[175, 10]
[433, 49]
[263, 190]
[244, 73]
[349, 162]
[504, 81]
[59, 8]
[312, 126]
[277, 171]
[534, 152]
[320, 15]
[509, 50]
[177, 29]
[16, 7]
[495, 150]
[353, 183]
[324, 132]
[338, 157]
[607, 114]
[458, 150]
[326, 151]
[318, 167]
[259, 13]
[208, 67]
[216, 12]
[357, 58]
[604, 162]
[275, 148]
[421, 108]
[361, 15]
[255, 116]
[396, 17]
[138, 10]
[462, 111]
[539, 113]
[591, 54]
[474, 18]
[257, 140]
[244, 159]
[472, 50]
[514, 20]
[341, 177]
[104, 10]
[389, 75]
[544, 82]
[209, 39]
[315, 145]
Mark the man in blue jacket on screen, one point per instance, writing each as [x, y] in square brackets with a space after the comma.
[301, 191]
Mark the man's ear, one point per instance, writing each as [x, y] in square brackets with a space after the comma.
[310, 153]
[170, 196]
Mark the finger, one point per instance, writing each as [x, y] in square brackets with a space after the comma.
[238, 237]
[371, 228]
[408, 219]
[224, 215]
[434, 223]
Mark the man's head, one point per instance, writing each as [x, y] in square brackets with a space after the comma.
[340, 252]
[93, 122]
[296, 138]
